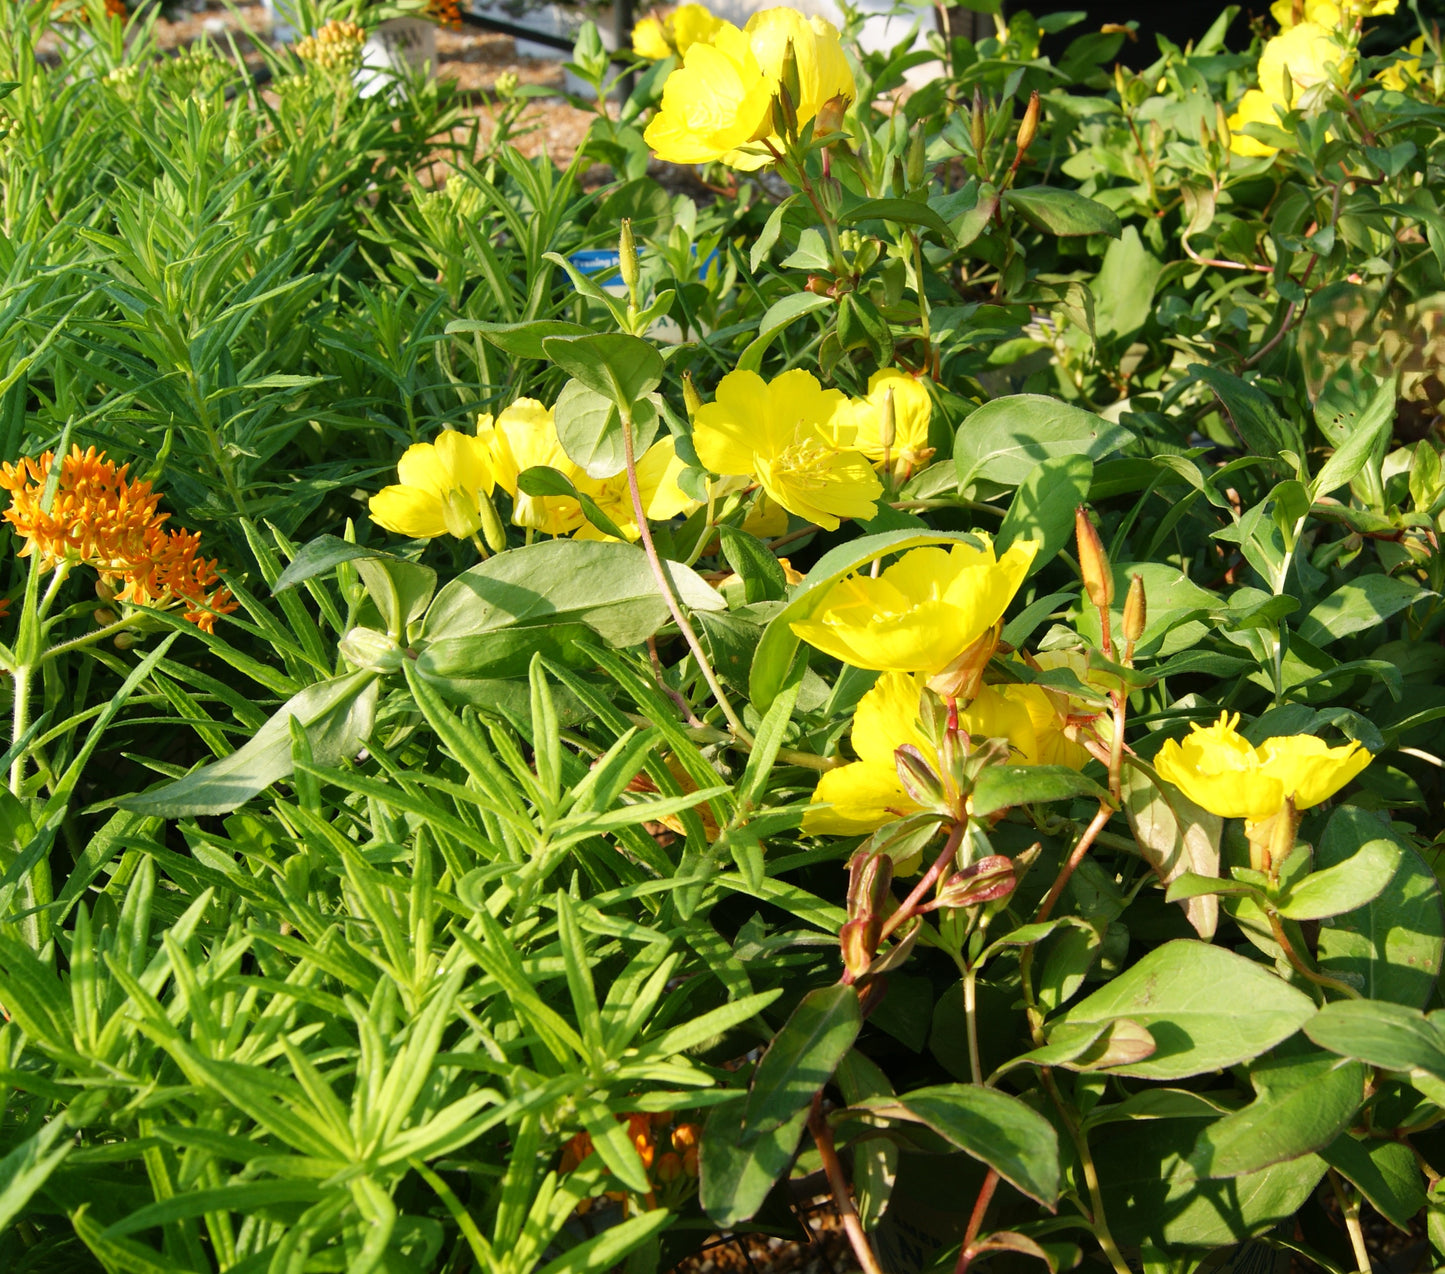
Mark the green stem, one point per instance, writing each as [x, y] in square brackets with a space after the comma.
[20, 722]
[1097, 1222]
[90, 638]
[669, 592]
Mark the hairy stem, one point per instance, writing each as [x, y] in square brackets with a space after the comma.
[838, 1184]
[669, 592]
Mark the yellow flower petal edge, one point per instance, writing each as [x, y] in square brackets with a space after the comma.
[1221, 771]
[441, 487]
[922, 612]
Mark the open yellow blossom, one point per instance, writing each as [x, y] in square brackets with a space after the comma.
[1218, 769]
[659, 37]
[922, 612]
[718, 105]
[1298, 60]
[657, 472]
[441, 486]
[868, 793]
[1402, 74]
[717, 101]
[779, 433]
[1329, 13]
[861, 424]
[1255, 107]
[523, 437]
[823, 71]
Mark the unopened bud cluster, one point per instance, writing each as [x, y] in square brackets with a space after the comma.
[335, 47]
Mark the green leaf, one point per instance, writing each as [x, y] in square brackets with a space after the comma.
[1369, 432]
[337, 717]
[1206, 1008]
[400, 590]
[590, 429]
[995, 1128]
[1302, 1104]
[1385, 1172]
[552, 596]
[1061, 212]
[621, 368]
[1391, 948]
[545, 480]
[1259, 425]
[1177, 839]
[1043, 507]
[753, 563]
[1001, 787]
[600, 1253]
[1151, 1194]
[1124, 287]
[521, 340]
[1089, 1046]
[779, 644]
[1359, 605]
[735, 1176]
[27, 1168]
[325, 553]
[780, 315]
[905, 212]
[1346, 886]
[1382, 1034]
[801, 1058]
[1004, 440]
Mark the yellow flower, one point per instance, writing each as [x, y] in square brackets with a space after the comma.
[1298, 60]
[861, 426]
[868, 793]
[662, 498]
[1327, 13]
[717, 101]
[440, 491]
[780, 433]
[823, 71]
[1221, 771]
[718, 105]
[922, 612]
[522, 437]
[1255, 107]
[1400, 75]
[649, 40]
[693, 24]
[767, 519]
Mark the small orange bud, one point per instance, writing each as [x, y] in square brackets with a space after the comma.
[1136, 610]
[669, 1168]
[1093, 561]
[686, 1137]
[1029, 127]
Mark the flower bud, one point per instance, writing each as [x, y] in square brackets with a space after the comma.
[830, 117]
[104, 616]
[963, 678]
[686, 1137]
[917, 776]
[124, 641]
[790, 84]
[888, 427]
[1136, 610]
[917, 158]
[104, 591]
[976, 124]
[493, 531]
[627, 254]
[870, 883]
[371, 650]
[1093, 561]
[828, 191]
[984, 881]
[460, 513]
[1029, 126]
[691, 399]
[857, 939]
[667, 1169]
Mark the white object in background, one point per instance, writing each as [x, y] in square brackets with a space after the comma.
[283, 21]
[396, 46]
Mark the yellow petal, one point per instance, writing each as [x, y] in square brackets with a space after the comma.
[887, 718]
[1308, 769]
[409, 511]
[863, 796]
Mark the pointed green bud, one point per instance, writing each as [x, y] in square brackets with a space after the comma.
[627, 252]
[374, 651]
[493, 530]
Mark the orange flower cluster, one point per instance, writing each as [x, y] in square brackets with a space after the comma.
[101, 519]
[445, 13]
[677, 1164]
